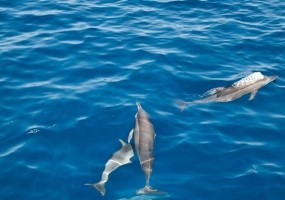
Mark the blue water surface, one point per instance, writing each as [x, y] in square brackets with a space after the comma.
[72, 71]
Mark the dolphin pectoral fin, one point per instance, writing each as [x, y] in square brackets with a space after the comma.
[130, 135]
[252, 95]
[149, 190]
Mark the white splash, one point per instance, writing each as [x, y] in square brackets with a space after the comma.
[34, 130]
[250, 79]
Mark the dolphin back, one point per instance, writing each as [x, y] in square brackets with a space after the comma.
[248, 80]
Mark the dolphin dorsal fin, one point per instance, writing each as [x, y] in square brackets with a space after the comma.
[212, 91]
[252, 95]
[130, 137]
[122, 142]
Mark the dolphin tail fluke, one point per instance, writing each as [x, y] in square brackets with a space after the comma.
[100, 186]
[149, 190]
[182, 104]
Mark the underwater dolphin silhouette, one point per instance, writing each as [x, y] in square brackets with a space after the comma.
[119, 158]
[144, 138]
[249, 84]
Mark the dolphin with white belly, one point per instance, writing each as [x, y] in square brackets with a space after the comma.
[144, 138]
[249, 84]
[119, 158]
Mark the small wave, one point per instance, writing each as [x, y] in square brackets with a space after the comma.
[11, 150]
[250, 143]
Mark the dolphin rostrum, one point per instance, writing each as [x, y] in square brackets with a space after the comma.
[249, 84]
[144, 137]
[119, 158]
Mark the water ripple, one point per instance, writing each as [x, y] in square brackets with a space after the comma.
[11, 150]
[71, 72]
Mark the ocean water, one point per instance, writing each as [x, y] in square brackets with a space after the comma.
[72, 71]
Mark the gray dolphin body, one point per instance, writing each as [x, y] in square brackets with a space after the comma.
[144, 137]
[119, 158]
[249, 84]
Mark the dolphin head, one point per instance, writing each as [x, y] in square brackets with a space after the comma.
[268, 79]
[138, 105]
[141, 112]
[272, 78]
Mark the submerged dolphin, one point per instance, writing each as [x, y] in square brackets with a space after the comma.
[119, 158]
[249, 84]
[144, 137]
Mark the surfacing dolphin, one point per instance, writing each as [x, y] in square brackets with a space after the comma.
[144, 137]
[249, 84]
[119, 158]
